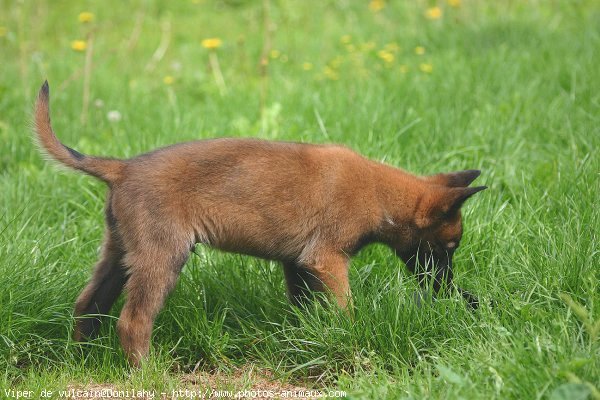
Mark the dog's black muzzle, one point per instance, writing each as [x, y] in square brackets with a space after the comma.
[429, 267]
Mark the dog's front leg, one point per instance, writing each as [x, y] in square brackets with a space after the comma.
[330, 275]
[300, 283]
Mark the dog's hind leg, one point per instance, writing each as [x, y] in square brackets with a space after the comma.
[153, 274]
[103, 289]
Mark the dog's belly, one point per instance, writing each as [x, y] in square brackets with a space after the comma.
[259, 233]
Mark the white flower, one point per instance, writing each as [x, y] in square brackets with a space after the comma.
[176, 66]
[113, 116]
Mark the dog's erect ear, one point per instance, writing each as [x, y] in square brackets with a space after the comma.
[443, 203]
[457, 196]
[455, 179]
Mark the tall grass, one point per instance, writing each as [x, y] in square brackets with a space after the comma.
[513, 90]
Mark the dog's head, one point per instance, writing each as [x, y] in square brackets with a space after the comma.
[437, 226]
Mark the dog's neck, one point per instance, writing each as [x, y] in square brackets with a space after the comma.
[399, 195]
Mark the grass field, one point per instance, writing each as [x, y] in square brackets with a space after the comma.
[508, 87]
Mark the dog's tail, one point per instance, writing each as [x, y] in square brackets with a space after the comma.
[107, 169]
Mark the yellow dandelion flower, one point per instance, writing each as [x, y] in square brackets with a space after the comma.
[85, 17]
[433, 13]
[307, 66]
[419, 50]
[168, 80]
[346, 39]
[211, 43]
[350, 48]
[403, 69]
[426, 67]
[3, 31]
[386, 56]
[79, 45]
[453, 3]
[376, 5]
[274, 54]
[331, 74]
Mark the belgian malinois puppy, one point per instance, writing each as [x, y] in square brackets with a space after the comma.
[309, 206]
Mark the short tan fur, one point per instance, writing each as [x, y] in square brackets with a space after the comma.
[309, 206]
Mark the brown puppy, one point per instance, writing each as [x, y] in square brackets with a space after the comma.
[310, 206]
